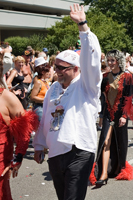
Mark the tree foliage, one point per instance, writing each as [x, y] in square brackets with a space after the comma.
[37, 41]
[110, 33]
[18, 44]
[120, 11]
[62, 35]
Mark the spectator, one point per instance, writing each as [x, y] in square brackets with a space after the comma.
[40, 85]
[5, 53]
[27, 71]
[132, 59]
[53, 74]
[57, 52]
[45, 50]
[78, 44]
[37, 54]
[129, 68]
[16, 78]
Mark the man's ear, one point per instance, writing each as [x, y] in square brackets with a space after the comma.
[76, 69]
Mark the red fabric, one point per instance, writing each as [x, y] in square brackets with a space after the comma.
[128, 108]
[128, 78]
[20, 128]
[126, 173]
[105, 74]
[117, 99]
[5, 193]
[92, 177]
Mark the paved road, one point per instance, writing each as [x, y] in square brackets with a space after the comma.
[34, 181]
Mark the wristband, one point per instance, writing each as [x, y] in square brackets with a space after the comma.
[82, 23]
[16, 160]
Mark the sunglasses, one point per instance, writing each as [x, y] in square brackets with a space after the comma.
[62, 67]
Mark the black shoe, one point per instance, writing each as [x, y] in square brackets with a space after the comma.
[102, 182]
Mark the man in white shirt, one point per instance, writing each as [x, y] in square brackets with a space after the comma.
[69, 116]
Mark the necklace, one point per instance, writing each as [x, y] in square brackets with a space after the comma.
[62, 93]
[115, 74]
[57, 101]
[45, 82]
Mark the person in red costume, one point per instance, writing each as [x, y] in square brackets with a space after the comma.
[117, 87]
[15, 125]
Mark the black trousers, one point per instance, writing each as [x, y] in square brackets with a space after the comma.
[70, 173]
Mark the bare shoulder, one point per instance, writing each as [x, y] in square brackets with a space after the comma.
[14, 71]
[12, 103]
[37, 83]
[8, 95]
[10, 98]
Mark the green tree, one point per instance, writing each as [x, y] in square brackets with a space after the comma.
[18, 44]
[62, 35]
[110, 33]
[119, 10]
[37, 41]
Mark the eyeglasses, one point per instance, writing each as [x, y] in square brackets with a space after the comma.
[60, 67]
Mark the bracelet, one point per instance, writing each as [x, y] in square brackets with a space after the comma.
[82, 23]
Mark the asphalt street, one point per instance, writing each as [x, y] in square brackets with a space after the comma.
[35, 183]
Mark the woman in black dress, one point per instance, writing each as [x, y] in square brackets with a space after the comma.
[113, 143]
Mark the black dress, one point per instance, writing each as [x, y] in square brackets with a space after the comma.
[117, 88]
[19, 79]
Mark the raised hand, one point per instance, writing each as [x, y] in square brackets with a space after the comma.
[77, 13]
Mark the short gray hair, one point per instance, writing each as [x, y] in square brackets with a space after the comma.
[119, 56]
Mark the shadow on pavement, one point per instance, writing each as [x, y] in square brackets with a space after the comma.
[130, 127]
[47, 176]
[130, 145]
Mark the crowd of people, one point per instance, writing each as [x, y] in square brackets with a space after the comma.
[58, 97]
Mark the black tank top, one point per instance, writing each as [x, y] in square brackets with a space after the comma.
[18, 79]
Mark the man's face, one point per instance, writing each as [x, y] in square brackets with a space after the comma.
[66, 75]
[27, 58]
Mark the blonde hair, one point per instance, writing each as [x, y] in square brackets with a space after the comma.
[19, 58]
[52, 59]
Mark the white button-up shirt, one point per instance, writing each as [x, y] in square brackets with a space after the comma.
[77, 125]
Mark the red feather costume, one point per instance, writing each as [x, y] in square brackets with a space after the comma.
[119, 103]
[20, 129]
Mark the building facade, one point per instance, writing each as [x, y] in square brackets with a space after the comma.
[26, 17]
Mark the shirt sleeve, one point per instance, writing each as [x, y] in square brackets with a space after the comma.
[7, 62]
[90, 62]
[39, 142]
